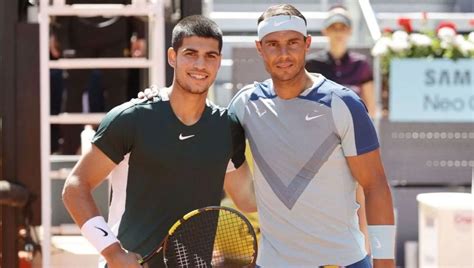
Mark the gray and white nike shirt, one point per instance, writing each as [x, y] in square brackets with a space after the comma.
[306, 195]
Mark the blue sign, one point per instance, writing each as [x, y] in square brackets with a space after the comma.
[431, 90]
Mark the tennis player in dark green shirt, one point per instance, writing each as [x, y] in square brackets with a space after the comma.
[179, 145]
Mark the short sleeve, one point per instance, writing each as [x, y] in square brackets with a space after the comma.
[236, 111]
[238, 141]
[353, 124]
[116, 132]
[237, 105]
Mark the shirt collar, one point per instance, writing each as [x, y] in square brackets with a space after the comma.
[344, 59]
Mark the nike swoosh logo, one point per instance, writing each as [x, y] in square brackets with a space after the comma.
[182, 138]
[104, 231]
[279, 23]
[377, 243]
[309, 118]
[260, 114]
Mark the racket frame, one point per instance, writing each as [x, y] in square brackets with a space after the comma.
[164, 242]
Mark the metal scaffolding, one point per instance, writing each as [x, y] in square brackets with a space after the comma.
[154, 11]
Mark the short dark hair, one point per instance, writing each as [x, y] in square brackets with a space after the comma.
[283, 9]
[195, 25]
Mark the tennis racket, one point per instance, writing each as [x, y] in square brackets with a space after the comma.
[209, 237]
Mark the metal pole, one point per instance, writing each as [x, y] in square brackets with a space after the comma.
[43, 19]
[157, 45]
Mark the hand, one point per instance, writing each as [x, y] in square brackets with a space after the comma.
[117, 257]
[148, 93]
[384, 263]
[137, 47]
[125, 260]
[54, 47]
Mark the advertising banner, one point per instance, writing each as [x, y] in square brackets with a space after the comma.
[431, 90]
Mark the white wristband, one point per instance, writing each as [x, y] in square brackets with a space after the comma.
[382, 241]
[98, 233]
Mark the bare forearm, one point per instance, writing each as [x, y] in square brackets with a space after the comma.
[243, 197]
[245, 200]
[239, 186]
[368, 95]
[380, 212]
[360, 197]
[379, 206]
[86, 176]
[78, 201]
[369, 172]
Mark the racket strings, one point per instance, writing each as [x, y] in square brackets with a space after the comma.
[234, 240]
[182, 254]
[213, 238]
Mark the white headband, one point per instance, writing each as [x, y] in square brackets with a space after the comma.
[281, 23]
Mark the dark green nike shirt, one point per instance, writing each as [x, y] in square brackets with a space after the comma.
[173, 168]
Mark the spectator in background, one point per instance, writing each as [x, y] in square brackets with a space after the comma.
[56, 93]
[345, 67]
[96, 37]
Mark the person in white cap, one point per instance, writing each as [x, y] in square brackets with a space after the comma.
[340, 64]
[313, 143]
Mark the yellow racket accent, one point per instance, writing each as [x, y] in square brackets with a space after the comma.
[190, 214]
[209, 237]
[185, 217]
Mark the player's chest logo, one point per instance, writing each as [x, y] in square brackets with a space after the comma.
[183, 137]
[313, 115]
[261, 113]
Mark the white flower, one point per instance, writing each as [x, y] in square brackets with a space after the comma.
[445, 44]
[400, 35]
[421, 40]
[459, 40]
[470, 37]
[466, 48]
[447, 34]
[463, 45]
[399, 45]
[381, 47]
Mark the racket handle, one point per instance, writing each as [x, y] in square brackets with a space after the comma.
[149, 256]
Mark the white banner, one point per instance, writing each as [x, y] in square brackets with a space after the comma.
[432, 90]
